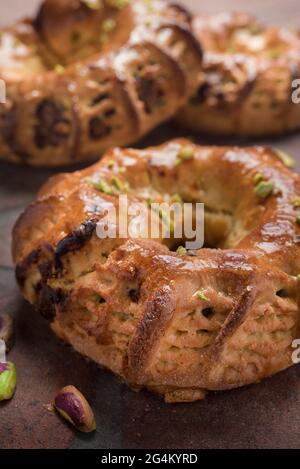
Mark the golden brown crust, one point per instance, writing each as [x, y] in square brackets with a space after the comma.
[247, 78]
[81, 79]
[130, 304]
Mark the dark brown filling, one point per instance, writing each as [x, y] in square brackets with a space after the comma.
[52, 128]
[98, 128]
[149, 93]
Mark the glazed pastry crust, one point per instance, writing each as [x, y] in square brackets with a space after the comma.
[81, 79]
[130, 304]
[248, 72]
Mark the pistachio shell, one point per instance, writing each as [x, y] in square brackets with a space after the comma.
[7, 331]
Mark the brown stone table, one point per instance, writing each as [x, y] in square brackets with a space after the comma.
[265, 415]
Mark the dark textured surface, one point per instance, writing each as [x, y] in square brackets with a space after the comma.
[265, 415]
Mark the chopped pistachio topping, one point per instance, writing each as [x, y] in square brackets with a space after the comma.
[162, 215]
[111, 164]
[258, 178]
[149, 202]
[201, 296]
[176, 199]
[296, 202]
[118, 3]
[181, 250]
[254, 29]
[264, 189]
[118, 184]
[150, 6]
[286, 159]
[185, 153]
[59, 69]
[298, 277]
[108, 25]
[298, 220]
[101, 186]
[93, 4]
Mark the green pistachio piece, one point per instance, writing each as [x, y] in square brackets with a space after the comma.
[111, 164]
[59, 69]
[181, 250]
[264, 189]
[101, 186]
[258, 178]
[93, 4]
[296, 202]
[185, 153]
[108, 25]
[118, 184]
[176, 199]
[8, 381]
[298, 220]
[275, 53]
[286, 159]
[201, 296]
[254, 29]
[118, 3]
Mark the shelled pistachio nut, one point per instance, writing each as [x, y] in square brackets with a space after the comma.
[8, 380]
[73, 407]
